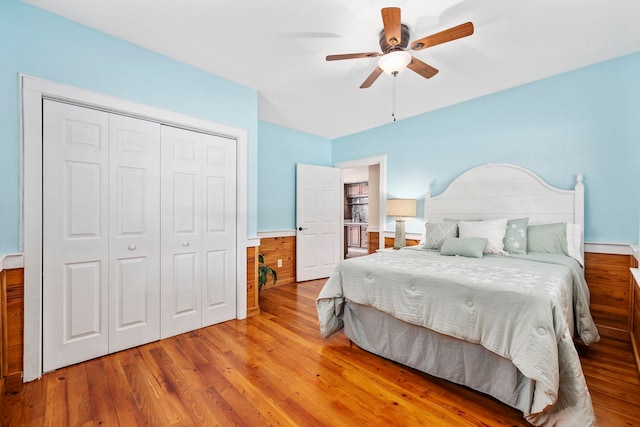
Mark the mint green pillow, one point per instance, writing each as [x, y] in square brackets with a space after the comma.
[515, 239]
[548, 238]
[437, 232]
[471, 247]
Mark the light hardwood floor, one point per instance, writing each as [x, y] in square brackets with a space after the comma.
[275, 369]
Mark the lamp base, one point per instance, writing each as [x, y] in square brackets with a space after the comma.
[400, 241]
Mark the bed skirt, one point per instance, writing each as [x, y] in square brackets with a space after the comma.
[439, 355]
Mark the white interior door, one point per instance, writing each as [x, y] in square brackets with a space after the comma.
[75, 234]
[134, 248]
[319, 218]
[219, 230]
[198, 230]
[181, 200]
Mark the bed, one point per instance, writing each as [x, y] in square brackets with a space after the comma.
[501, 323]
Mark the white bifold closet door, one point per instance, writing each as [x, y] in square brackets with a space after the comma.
[139, 232]
[101, 233]
[198, 230]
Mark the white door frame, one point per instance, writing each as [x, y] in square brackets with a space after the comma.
[31, 91]
[368, 161]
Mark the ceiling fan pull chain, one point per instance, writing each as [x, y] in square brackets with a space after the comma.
[393, 97]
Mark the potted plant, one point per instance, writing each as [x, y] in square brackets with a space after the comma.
[264, 271]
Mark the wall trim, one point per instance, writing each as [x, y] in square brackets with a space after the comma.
[272, 234]
[10, 261]
[253, 242]
[31, 92]
[608, 248]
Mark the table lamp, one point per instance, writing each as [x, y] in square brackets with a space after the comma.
[400, 208]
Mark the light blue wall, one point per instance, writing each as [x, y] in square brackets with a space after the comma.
[40, 44]
[279, 150]
[585, 121]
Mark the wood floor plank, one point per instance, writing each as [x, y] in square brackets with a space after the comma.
[225, 399]
[145, 392]
[33, 411]
[260, 397]
[79, 408]
[57, 405]
[156, 368]
[122, 396]
[187, 386]
[102, 402]
[11, 413]
[274, 369]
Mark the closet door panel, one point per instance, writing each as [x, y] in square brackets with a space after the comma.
[219, 239]
[134, 212]
[186, 290]
[181, 158]
[216, 295]
[75, 234]
[131, 299]
[82, 295]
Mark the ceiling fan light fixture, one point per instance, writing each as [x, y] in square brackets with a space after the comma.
[394, 62]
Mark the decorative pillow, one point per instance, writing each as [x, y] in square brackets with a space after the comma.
[548, 238]
[574, 242]
[471, 247]
[515, 238]
[437, 232]
[492, 230]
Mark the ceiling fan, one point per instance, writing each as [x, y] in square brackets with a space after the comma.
[394, 39]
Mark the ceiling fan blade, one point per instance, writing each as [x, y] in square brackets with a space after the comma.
[425, 70]
[391, 21]
[352, 56]
[462, 30]
[372, 78]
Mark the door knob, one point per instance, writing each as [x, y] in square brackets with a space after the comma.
[132, 247]
[185, 243]
[302, 228]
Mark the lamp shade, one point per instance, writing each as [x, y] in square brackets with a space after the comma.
[394, 62]
[401, 207]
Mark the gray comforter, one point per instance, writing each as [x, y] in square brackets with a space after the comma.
[523, 308]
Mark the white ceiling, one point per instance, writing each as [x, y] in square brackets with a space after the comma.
[278, 47]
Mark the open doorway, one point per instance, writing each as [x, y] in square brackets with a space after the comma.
[364, 193]
[356, 211]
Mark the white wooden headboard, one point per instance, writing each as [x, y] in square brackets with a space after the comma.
[496, 190]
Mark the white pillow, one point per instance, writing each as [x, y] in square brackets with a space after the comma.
[492, 230]
[574, 242]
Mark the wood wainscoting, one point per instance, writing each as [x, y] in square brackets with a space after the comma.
[12, 291]
[283, 248]
[610, 283]
[374, 242]
[253, 305]
[388, 242]
[635, 315]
